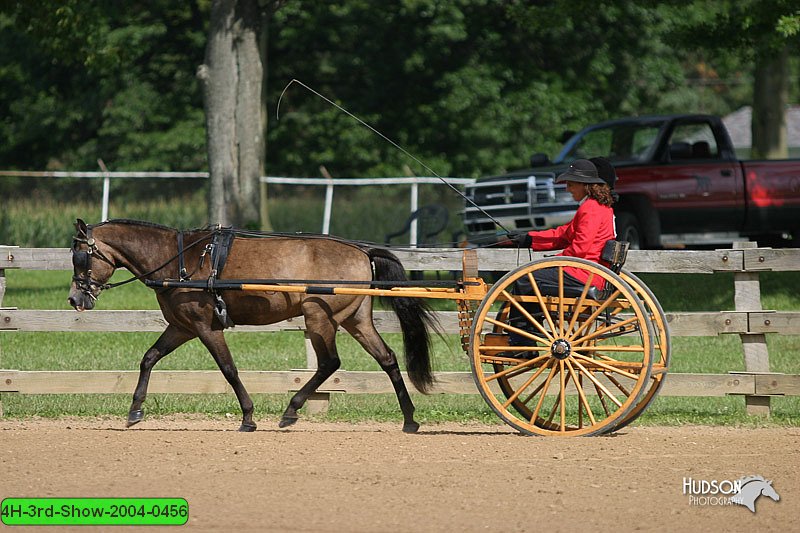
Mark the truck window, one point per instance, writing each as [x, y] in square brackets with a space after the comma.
[620, 143]
[693, 141]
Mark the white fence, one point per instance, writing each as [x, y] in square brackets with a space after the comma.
[327, 182]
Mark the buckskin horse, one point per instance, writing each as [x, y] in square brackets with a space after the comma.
[153, 252]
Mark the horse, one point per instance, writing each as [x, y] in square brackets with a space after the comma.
[751, 488]
[153, 252]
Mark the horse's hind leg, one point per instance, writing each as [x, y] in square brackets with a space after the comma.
[321, 330]
[365, 333]
[166, 343]
[215, 342]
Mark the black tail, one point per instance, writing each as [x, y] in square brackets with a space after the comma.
[415, 318]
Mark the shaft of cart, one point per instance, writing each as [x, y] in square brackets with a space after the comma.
[470, 287]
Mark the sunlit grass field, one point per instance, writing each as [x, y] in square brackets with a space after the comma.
[286, 350]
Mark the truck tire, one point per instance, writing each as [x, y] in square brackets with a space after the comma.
[628, 229]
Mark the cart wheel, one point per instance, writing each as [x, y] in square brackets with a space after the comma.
[581, 357]
[662, 345]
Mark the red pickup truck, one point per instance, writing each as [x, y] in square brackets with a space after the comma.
[679, 183]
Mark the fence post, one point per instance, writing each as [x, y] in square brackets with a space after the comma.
[326, 217]
[414, 206]
[747, 297]
[106, 190]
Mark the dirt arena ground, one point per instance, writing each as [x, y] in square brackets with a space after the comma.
[372, 477]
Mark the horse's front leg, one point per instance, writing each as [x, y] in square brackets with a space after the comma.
[215, 342]
[166, 343]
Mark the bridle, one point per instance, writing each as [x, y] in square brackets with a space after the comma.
[82, 260]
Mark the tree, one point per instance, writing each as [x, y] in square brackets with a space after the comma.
[86, 80]
[771, 84]
[764, 31]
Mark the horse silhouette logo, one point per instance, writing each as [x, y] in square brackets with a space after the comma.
[751, 488]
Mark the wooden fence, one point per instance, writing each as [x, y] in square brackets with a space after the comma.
[748, 320]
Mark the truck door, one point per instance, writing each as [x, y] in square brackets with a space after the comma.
[697, 190]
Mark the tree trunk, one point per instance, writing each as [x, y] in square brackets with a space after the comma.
[263, 44]
[232, 77]
[770, 99]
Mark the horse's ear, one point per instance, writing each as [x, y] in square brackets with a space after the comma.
[80, 227]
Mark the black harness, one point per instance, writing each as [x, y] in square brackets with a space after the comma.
[220, 246]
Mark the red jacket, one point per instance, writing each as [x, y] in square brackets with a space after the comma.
[584, 236]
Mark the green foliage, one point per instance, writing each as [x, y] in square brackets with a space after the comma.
[88, 80]
[469, 87]
[747, 26]
[789, 25]
[453, 90]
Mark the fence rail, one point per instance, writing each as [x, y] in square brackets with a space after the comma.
[748, 320]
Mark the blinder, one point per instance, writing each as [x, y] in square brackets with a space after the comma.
[80, 258]
[82, 261]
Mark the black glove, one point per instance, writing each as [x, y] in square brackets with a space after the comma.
[521, 239]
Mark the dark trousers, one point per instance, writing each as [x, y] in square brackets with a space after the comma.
[547, 281]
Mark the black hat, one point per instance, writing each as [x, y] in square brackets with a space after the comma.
[605, 170]
[581, 171]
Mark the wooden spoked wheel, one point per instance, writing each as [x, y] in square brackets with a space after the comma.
[662, 344]
[662, 350]
[563, 360]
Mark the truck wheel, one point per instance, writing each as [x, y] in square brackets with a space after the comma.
[628, 230]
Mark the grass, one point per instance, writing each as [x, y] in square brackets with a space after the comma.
[285, 350]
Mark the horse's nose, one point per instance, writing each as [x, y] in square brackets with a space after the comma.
[72, 301]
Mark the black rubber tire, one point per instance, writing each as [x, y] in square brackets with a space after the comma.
[629, 229]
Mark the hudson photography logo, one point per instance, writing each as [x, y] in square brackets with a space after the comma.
[744, 491]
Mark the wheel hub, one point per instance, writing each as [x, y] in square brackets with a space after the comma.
[560, 349]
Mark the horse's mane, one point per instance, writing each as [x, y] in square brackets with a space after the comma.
[132, 222]
[745, 480]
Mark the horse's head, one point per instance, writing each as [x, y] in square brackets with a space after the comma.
[769, 491]
[92, 267]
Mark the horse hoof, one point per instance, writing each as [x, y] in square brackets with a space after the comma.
[287, 421]
[410, 427]
[134, 417]
[247, 428]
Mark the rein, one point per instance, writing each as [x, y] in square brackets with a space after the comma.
[83, 259]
